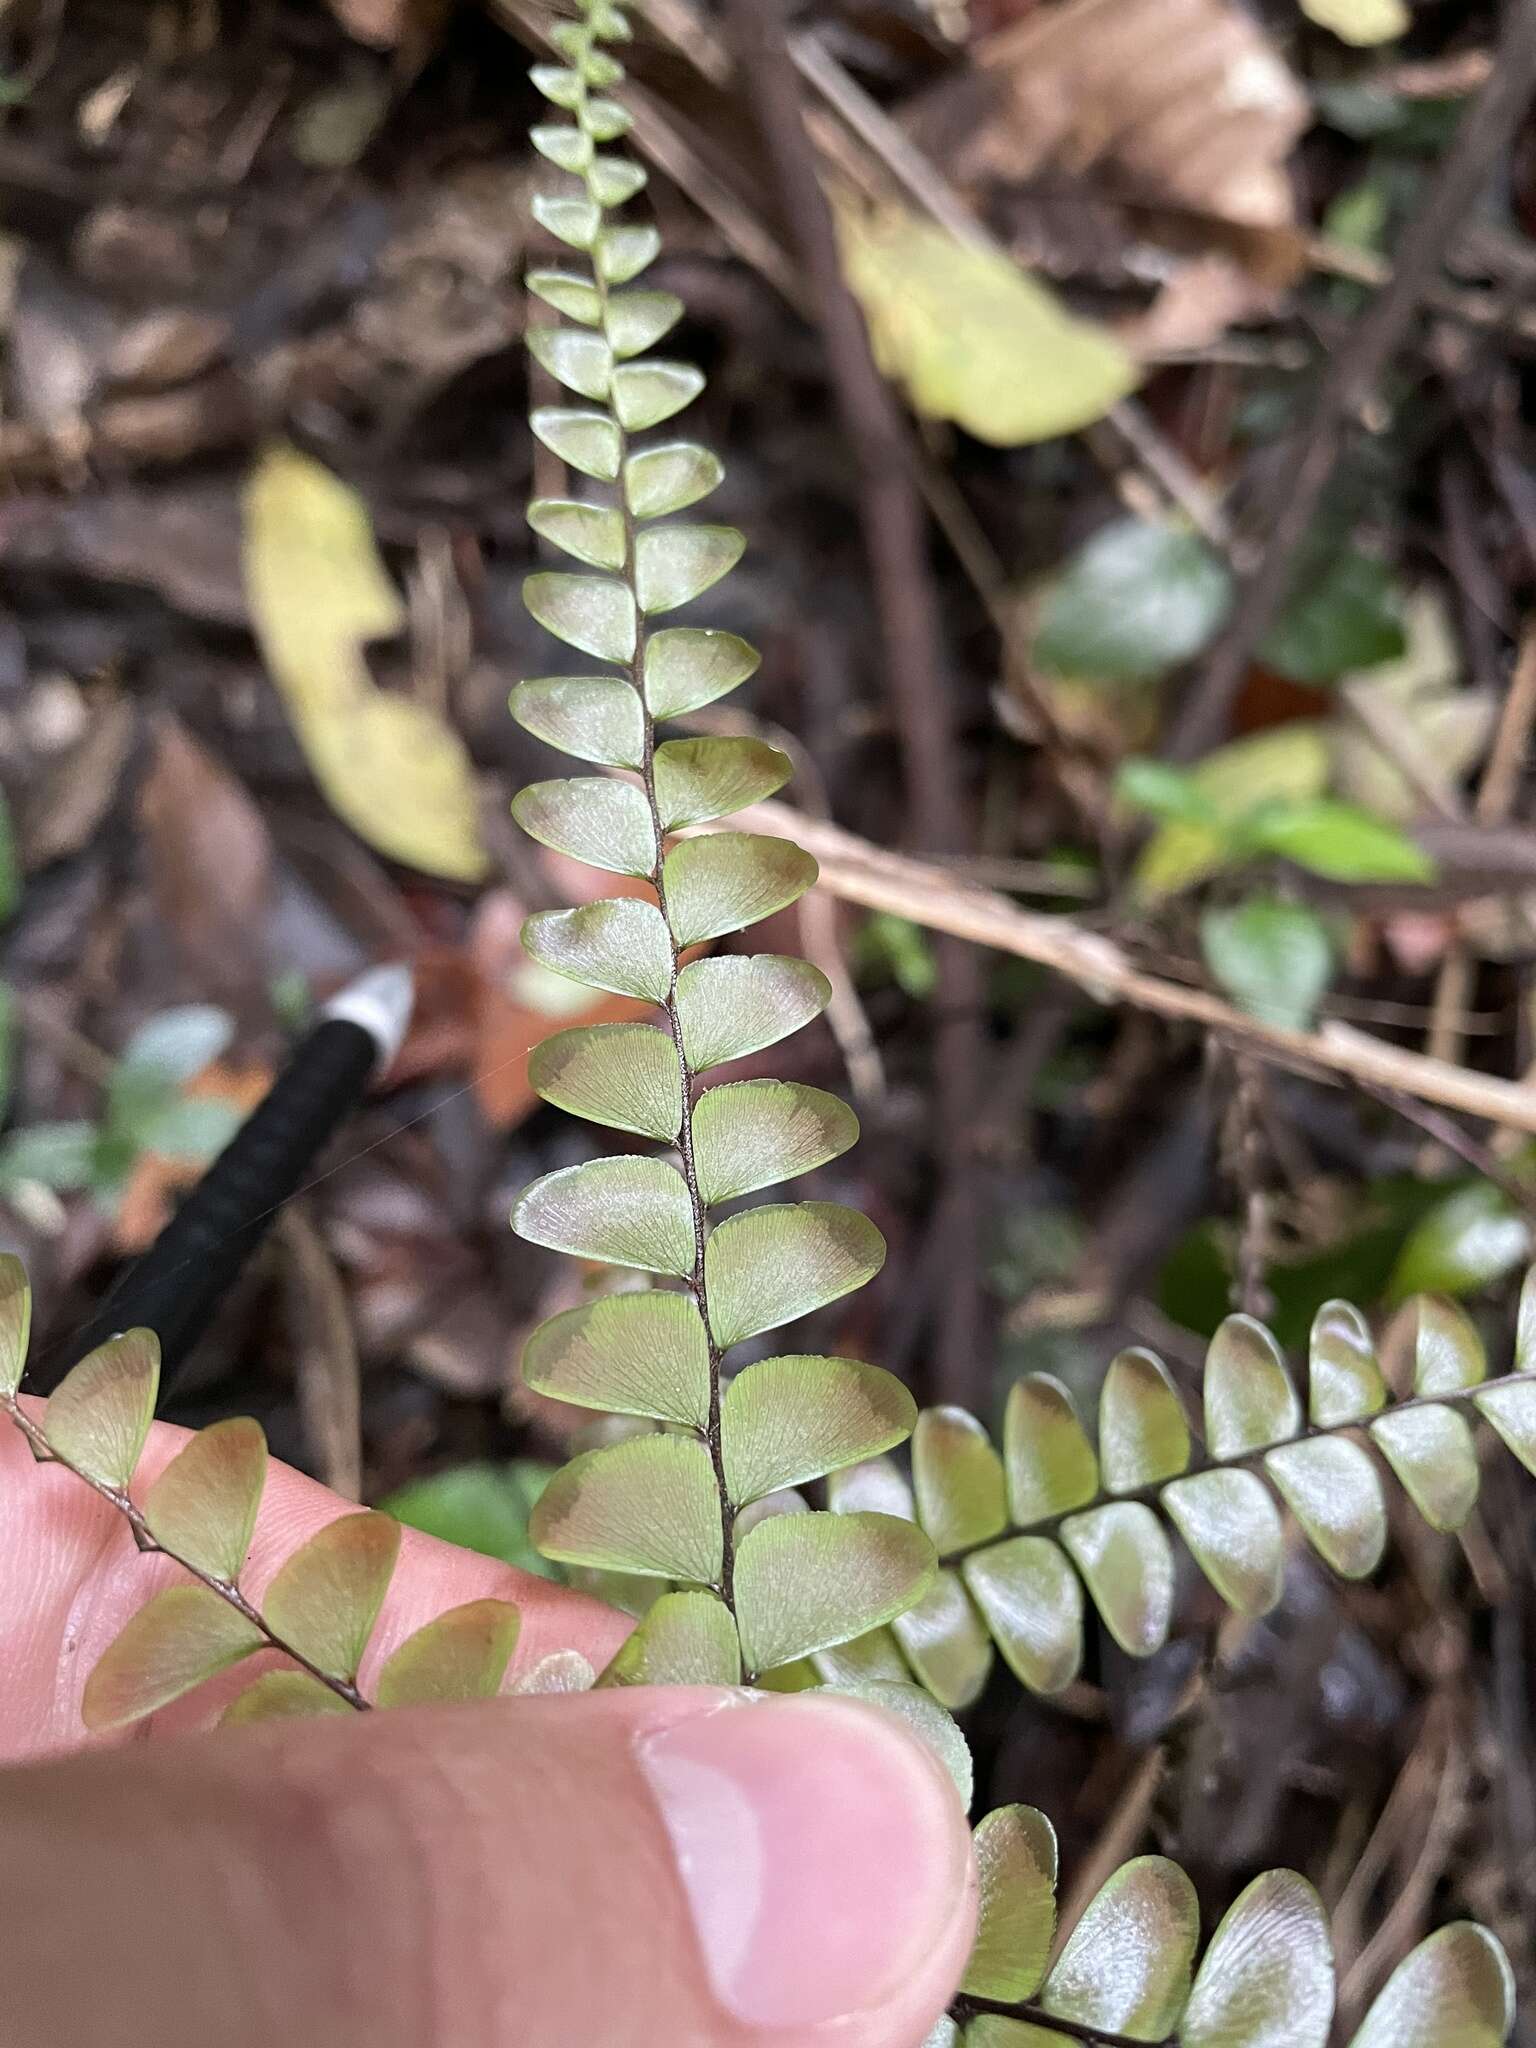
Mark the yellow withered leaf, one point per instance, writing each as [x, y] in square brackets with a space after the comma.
[972, 337]
[318, 593]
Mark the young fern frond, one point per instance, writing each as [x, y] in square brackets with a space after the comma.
[319, 1610]
[1024, 1534]
[667, 1505]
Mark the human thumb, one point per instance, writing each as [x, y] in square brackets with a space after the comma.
[671, 1868]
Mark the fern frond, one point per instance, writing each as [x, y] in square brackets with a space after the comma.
[1026, 1533]
[764, 1594]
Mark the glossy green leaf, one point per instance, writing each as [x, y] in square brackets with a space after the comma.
[604, 823]
[1432, 1452]
[1272, 957]
[1266, 1980]
[786, 1420]
[771, 1265]
[625, 1075]
[613, 181]
[588, 612]
[1143, 1431]
[560, 144]
[648, 1506]
[743, 1003]
[646, 393]
[1512, 1411]
[1232, 1527]
[576, 222]
[1289, 762]
[283, 1696]
[697, 780]
[556, 83]
[1345, 1381]
[753, 1134]
[99, 1415]
[925, 1720]
[588, 441]
[1127, 1566]
[946, 1642]
[482, 1507]
[629, 1212]
[806, 1582]
[621, 253]
[1049, 1461]
[670, 478]
[958, 1480]
[685, 1639]
[1249, 1400]
[460, 1655]
[1334, 1490]
[1126, 1967]
[1016, 1866]
[326, 1598]
[687, 667]
[15, 1321]
[592, 533]
[1467, 1241]
[872, 1658]
[606, 120]
[730, 880]
[597, 718]
[574, 357]
[577, 297]
[621, 944]
[627, 1354]
[1138, 599]
[1448, 1354]
[1346, 614]
[203, 1506]
[1338, 841]
[675, 564]
[636, 321]
[1032, 1601]
[186, 1635]
[1455, 1990]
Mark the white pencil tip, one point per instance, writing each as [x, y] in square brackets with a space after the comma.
[380, 1001]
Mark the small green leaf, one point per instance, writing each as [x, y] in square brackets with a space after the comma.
[1455, 1990]
[807, 1582]
[556, 83]
[1143, 1430]
[742, 1003]
[605, 121]
[627, 1354]
[1033, 1604]
[620, 944]
[646, 393]
[752, 1134]
[636, 321]
[1249, 1400]
[670, 478]
[629, 1212]
[957, 1477]
[685, 1639]
[1345, 1381]
[460, 1655]
[1272, 957]
[625, 1075]
[606, 824]
[621, 253]
[577, 359]
[592, 533]
[1347, 616]
[99, 1415]
[945, 2034]
[1175, 795]
[1016, 1865]
[597, 718]
[588, 612]
[687, 667]
[1334, 1491]
[283, 1696]
[1232, 1527]
[588, 441]
[562, 1671]
[993, 2030]
[1137, 600]
[675, 564]
[326, 1598]
[946, 1642]
[875, 1486]
[1466, 1242]
[1126, 1564]
[185, 1635]
[481, 1507]
[786, 1420]
[871, 1659]
[15, 1321]
[1049, 1461]
[1448, 1354]
[203, 1506]
[647, 1506]
[729, 880]
[771, 1265]
[577, 297]
[1512, 1411]
[925, 1719]
[1289, 762]
[568, 148]
[614, 180]
[1337, 841]
[1126, 1967]
[1267, 1977]
[576, 222]
[1525, 1325]
[1432, 1452]
[697, 780]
